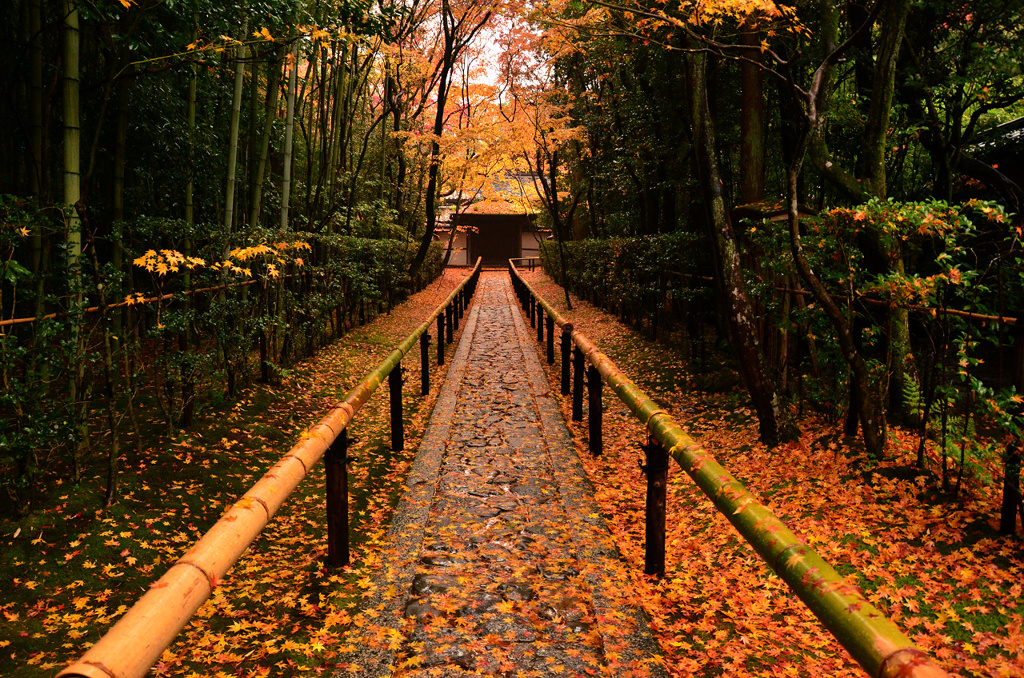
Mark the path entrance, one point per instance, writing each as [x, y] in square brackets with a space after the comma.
[499, 563]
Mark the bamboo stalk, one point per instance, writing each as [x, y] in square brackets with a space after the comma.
[236, 111]
[876, 643]
[289, 131]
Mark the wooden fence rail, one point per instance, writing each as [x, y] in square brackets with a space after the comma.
[874, 642]
[134, 644]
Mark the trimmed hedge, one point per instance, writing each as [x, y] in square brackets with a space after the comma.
[648, 281]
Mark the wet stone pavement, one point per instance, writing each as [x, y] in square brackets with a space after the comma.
[498, 562]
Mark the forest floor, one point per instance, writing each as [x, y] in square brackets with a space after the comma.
[936, 566]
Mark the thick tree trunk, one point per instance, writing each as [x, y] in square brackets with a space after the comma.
[876, 128]
[873, 175]
[739, 314]
[870, 180]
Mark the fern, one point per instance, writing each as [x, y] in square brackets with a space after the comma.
[912, 397]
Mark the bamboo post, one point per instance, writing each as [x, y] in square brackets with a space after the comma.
[540, 322]
[594, 413]
[449, 321]
[566, 356]
[533, 311]
[397, 425]
[551, 340]
[656, 470]
[336, 468]
[424, 364]
[577, 384]
[456, 311]
[440, 339]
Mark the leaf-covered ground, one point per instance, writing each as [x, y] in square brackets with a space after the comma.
[938, 569]
[73, 569]
[500, 563]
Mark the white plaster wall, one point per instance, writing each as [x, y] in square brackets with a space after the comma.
[460, 250]
[531, 245]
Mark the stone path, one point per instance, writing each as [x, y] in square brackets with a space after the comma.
[499, 563]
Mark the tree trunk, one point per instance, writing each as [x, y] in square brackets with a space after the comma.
[35, 114]
[273, 88]
[236, 112]
[458, 34]
[876, 128]
[751, 126]
[738, 311]
[72, 197]
[867, 400]
[435, 162]
[251, 151]
[120, 150]
[289, 136]
[1012, 504]
[190, 122]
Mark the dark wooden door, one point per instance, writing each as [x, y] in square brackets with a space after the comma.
[497, 238]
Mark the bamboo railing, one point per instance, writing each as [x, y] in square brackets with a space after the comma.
[875, 643]
[135, 643]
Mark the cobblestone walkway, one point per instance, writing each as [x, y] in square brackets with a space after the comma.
[499, 563]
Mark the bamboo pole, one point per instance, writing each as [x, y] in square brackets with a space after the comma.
[876, 643]
[134, 644]
[236, 112]
[289, 131]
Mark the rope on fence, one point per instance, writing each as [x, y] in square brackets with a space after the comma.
[121, 304]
